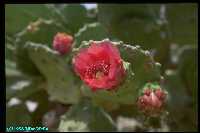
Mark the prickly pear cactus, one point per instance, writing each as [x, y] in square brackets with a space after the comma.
[70, 68]
[140, 68]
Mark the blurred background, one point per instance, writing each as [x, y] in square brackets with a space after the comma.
[168, 31]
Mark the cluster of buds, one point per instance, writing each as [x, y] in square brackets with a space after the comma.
[152, 99]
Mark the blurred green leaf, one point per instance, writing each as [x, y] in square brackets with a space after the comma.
[179, 99]
[188, 68]
[133, 24]
[62, 85]
[9, 48]
[137, 24]
[12, 77]
[24, 88]
[18, 16]
[92, 15]
[175, 87]
[85, 116]
[17, 115]
[74, 16]
[41, 97]
[183, 23]
[11, 69]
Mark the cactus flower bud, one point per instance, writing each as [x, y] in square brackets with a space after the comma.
[62, 43]
[152, 99]
[100, 66]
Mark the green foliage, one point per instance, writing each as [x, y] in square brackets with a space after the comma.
[147, 24]
[133, 24]
[41, 97]
[188, 67]
[60, 79]
[18, 16]
[40, 31]
[24, 89]
[179, 99]
[182, 21]
[9, 48]
[85, 116]
[74, 16]
[182, 87]
[11, 69]
[21, 119]
[176, 88]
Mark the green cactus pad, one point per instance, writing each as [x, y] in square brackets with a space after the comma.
[40, 31]
[134, 23]
[18, 16]
[176, 89]
[85, 116]
[179, 16]
[17, 115]
[61, 81]
[179, 99]
[74, 16]
[24, 88]
[93, 31]
[188, 68]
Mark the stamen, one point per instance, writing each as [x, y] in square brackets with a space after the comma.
[97, 70]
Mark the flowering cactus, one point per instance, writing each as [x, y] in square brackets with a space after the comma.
[131, 79]
[100, 66]
[110, 68]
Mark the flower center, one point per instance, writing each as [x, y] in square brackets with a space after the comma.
[99, 74]
[98, 70]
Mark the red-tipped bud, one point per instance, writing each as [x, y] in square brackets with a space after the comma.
[62, 43]
[152, 100]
